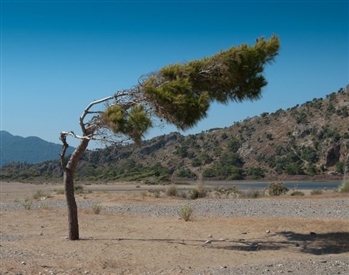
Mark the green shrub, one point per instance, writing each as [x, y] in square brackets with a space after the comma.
[78, 189]
[252, 193]
[232, 190]
[39, 194]
[297, 193]
[156, 193]
[186, 212]
[59, 191]
[27, 204]
[277, 189]
[96, 208]
[198, 192]
[316, 192]
[344, 188]
[171, 190]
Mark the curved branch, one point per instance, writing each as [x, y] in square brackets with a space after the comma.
[87, 111]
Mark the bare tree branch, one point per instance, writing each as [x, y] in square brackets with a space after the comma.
[65, 145]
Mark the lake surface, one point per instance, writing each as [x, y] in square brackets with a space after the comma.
[261, 185]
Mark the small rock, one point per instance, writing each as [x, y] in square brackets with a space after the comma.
[267, 231]
[224, 266]
[209, 236]
[23, 263]
[208, 241]
[222, 240]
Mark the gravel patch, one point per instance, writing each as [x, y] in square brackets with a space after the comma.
[302, 208]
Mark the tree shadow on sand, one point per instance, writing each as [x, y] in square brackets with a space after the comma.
[312, 243]
[319, 244]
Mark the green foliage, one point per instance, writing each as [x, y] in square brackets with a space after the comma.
[78, 189]
[269, 136]
[186, 212]
[252, 193]
[133, 122]
[227, 191]
[185, 173]
[290, 164]
[340, 167]
[39, 194]
[344, 188]
[297, 193]
[27, 204]
[277, 189]
[309, 154]
[256, 172]
[184, 91]
[96, 208]
[316, 192]
[302, 118]
[182, 151]
[171, 190]
[234, 144]
[198, 192]
[59, 191]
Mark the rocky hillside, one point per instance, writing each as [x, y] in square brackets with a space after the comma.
[307, 141]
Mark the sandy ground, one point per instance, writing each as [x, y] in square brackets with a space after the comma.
[34, 241]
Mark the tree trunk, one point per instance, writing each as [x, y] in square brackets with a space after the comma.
[69, 172]
[72, 207]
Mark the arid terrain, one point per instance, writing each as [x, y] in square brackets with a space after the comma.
[124, 239]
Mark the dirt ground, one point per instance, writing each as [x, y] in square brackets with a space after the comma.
[34, 241]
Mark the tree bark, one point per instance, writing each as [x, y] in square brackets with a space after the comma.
[69, 171]
[72, 207]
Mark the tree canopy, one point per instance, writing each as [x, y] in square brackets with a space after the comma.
[181, 94]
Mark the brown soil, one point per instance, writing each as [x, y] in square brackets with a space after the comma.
[34, 241]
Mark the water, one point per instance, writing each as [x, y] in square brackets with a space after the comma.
[290, 185]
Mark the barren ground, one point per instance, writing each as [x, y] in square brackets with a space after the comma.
[34, 241]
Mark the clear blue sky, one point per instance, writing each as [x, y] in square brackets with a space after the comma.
[58, 56]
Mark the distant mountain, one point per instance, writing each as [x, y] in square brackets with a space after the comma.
[29, 149]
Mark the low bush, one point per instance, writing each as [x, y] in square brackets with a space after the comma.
[344, 188]
[78, 189]
[40, 194]
[227, 191]
[96, 208]
[297, 193]
[277, 189]
[252, 193]
[171, 190]
[316, 192]
[186, 212]
[27, 204]
[59, 191]
[198, 192]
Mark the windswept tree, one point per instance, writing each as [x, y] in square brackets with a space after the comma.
[178, 94]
